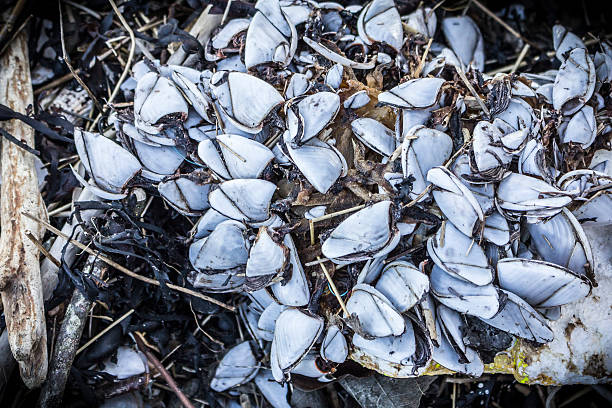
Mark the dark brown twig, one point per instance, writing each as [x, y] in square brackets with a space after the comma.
[163, 372]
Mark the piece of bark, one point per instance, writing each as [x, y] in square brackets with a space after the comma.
[20, 282]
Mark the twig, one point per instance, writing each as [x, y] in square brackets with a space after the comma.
[520, 58]
[503, 23]
[128, 64]
[417, 73]
[42, 249]
[66, 59]
[103, 332]
[164, 373]
[56, 82]
[312, 233]
[472, 91]
[126, 271]
[20, 282]
[335, 214]
[332, 285]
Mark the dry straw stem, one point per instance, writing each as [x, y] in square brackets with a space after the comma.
[20, 281]
[333, 288]
[164, 373]
[126, 271]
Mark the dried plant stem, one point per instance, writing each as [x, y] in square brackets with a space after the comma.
[473, 91]
[106, 330]
[20, 282]
[520, 58]
[164, 373]
[126, 271]
[335, 214]
[66, 59]
[417, 73]
[128, 64]
[332, 285]
[502, 22]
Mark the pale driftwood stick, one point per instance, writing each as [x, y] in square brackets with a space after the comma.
[202, 29]
[20, 282]
[67, 342]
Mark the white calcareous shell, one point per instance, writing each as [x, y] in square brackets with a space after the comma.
[110, 166]
[298, 85]
[235, 93]
[275, 393]
[208, 222]
[357, 100]
[311, 115]
[228, 32]
[395, 349]
[565, 41]
[225, 248]
[375, 135]
[267, 320]
[333, 78]
[267, 257]
[416, 93]
[423, 21]
[238, 366]
[575, 82]
[366, 234]
[581, 128]
[452, 352]
[295, 333]
[562, 241]
[321, 163]
[380, 21]
[293, 292]
[530, 196]
[459, 255]
[187, 196]
[233, 156]
[403, 284]
[243, 199]
[519, 318]
[422, 150]
[488, 152]
[222, 282]
[127, 363]
[271, 37]
[377, 316]
[334, 347]
[155, 98]
[517, 115]
[455, 200]
[463, 296]
[541, 284]
[464, 37]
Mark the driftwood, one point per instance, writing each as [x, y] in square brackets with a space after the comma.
[20, 282]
